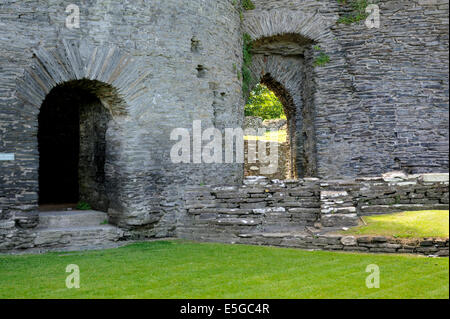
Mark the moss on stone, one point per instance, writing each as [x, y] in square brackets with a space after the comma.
[248, 4]
[358, 11]
[322, 58]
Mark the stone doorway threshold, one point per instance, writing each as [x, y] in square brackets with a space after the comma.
[57, 207]
[72, 230]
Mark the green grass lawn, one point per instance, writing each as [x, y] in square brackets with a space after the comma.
[270, 136]
[418, 224]
[177, 269]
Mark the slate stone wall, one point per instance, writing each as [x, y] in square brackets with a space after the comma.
[225, 213]
[261, 206]
[380, 104]
[294, 213]
[344, 200]
[143, 61]
[435, 247]
[278, 170]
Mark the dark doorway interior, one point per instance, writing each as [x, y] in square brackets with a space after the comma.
[59, 147]
[72, 148]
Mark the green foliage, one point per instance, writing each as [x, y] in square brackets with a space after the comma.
[359, 11]
[322, 58]
[83, 206]
[248, 5]
[243, 5]
[247, 61]
[263, 103]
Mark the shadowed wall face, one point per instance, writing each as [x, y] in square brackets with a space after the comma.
[72, 146]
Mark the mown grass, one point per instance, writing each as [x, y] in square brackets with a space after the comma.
[176, 269]
[270, 136]
[417, 224]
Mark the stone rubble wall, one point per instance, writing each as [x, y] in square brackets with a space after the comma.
[344, 200]
[13, 237]
[283, 169]
[380, 104]
[305, 213]
[223, 213]
[333, 242]
[291, 213]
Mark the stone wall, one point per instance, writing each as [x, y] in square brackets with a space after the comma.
[380, 104]
[303, 213]
[225, 213]
[156, 65]
[281, 171]
[308, 213]
[344, 200]
[435, 247]
[263, 206]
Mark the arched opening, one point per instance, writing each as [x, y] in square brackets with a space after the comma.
[72, 149]
[270, 108]
[285, 64]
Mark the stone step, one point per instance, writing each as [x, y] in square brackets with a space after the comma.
[70, 219]
[78, 238]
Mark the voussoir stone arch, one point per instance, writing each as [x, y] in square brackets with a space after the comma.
[285, 71]
[300, 26]
[313, 88]
[114, 76]
[263, 24]
[306, 27]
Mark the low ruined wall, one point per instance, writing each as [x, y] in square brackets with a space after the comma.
[225, 213]
[303, 213]
[335, 242]
[344, 200]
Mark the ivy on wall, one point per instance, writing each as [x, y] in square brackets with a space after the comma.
[248, 5]
[358, 11]
[243, 4]
[245, 73]
[247, 61]
[322, 58]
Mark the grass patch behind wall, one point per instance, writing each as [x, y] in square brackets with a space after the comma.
[419, 224]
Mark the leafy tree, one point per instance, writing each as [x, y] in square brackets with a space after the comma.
[263, 103]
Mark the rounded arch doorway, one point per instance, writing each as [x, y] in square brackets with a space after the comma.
[72, 126]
